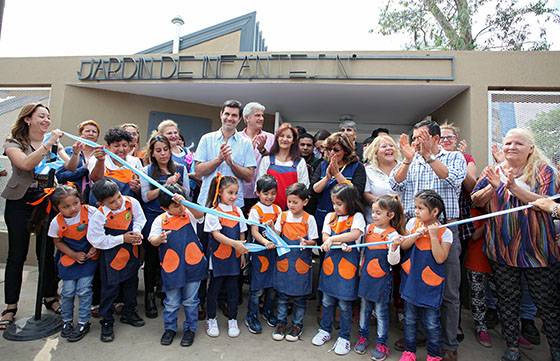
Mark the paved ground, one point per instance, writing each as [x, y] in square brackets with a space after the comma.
[143, 343]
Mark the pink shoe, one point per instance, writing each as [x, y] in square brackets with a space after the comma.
[433, 358]
[408, 356]
[380, 353]
[484, 338]
[524, 343]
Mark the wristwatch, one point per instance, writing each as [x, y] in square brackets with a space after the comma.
[430, 159]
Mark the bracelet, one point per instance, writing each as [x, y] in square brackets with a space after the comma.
[407, 163]
[556, 212]
[45, 147]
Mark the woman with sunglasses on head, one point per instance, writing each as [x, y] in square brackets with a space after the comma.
[26, 147]
[342, 166]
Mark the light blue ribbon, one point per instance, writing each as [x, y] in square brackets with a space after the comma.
[281, 246]
[45, 165]
[269, 232]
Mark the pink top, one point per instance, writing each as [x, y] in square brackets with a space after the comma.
[249, 187]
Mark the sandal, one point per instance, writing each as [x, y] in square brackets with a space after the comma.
[8, 321]
[50, 305]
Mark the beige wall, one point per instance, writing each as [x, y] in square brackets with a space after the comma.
[112, 109]
[225, 44]
[479, 71]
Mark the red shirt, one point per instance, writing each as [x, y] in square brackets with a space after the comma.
[476, 260]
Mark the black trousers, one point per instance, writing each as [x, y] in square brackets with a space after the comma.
[17, 215]
[109, 293]
[230, 285]
[202, 290]
[541, 282]
[151, 266]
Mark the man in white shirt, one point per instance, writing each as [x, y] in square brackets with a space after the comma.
[253, 114]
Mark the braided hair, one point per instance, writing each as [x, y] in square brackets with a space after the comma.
[431, 199]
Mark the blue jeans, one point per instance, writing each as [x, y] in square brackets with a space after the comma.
[327, 316]
[298, 311]
[432, 328]
[253, 306]
[174, 298]
[382, 313]
[81, 288]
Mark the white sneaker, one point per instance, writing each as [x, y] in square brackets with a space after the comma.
[320, 338]
[341, 346]
[233, 329]
[212, 329]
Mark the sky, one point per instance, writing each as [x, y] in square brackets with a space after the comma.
[122, 27]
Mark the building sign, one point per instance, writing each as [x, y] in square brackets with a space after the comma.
[268, 66]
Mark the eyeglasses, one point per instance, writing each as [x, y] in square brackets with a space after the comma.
[447, 137]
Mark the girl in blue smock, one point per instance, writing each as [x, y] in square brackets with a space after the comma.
[423, 281]
[339, 273]
[376, 274]
[225, 248]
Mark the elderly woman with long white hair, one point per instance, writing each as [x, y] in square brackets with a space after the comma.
[522, 243]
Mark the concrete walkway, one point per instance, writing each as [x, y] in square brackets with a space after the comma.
[141, 344]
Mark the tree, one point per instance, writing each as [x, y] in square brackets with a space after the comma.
[469, 24]
[547, 134]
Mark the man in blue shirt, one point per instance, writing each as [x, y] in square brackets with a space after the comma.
[225, 151]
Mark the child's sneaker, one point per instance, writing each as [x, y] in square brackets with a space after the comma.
[212, 329]
[408, 356]
[80, 332]
[233, 329]
[279, 333]
[270, 319]
[380, 353]
[321, 337]
[167, 337]
[484, 338]
[341, 346]
[433, 358]
[361, 346]
[294, 333]
[253, 324]
[67, 329]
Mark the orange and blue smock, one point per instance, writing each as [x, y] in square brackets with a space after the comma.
[292, 275]
[224, 258]
[121, 177]
[339, 274]
[75, 237]
[152, 209]
[263, 262]
[324, 204]
[285, 176]
[424, 282]
[376, 281]
[181, 257]
[122, 261]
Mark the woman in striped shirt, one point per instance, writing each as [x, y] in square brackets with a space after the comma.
[521, 243]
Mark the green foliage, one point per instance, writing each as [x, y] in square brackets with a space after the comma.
[450, 24]
[546, 128]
